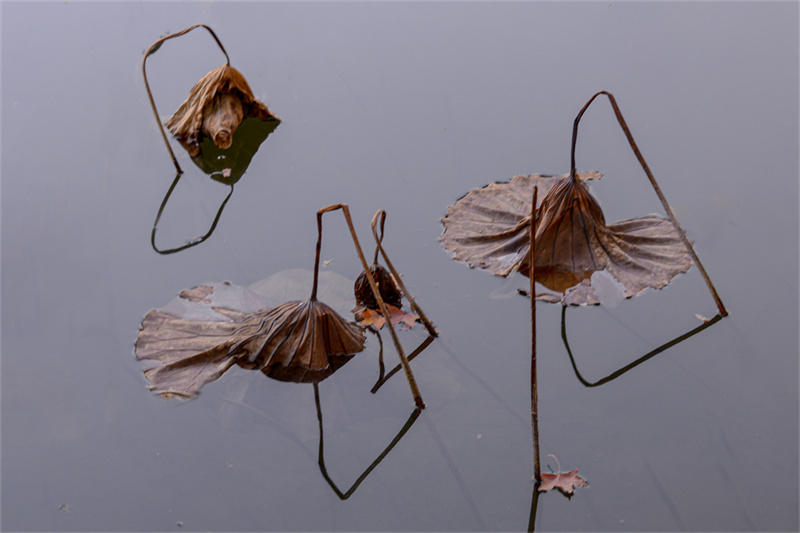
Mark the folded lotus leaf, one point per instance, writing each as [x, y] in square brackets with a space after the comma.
[489, 228]
[298, 341]
[216, 106]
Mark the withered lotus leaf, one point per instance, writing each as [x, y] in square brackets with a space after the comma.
[216, 106]
[298, 341]
[183, 355]
[488, 228]
[200, 335]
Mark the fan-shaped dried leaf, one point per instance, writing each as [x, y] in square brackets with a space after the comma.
[298, 341]
[488, 228]
[216, 105]
[198, 336]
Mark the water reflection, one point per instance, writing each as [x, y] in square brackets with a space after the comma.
[630, 366]
[225, 166]
[221, 125]
[321, 457]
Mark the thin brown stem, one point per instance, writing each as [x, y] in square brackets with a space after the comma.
[381, 214]
[534, 391]
[411, 301]
[412, 383]
[155, 46]
[317, 255]
[654, 183]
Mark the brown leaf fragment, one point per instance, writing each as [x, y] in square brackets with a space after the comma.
[373, 317]
[563, 482]
[216, 106]
[198, 294]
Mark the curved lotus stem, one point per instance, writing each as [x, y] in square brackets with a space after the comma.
[382, 215]
[412, 383]
[643, 163]
[155, 46]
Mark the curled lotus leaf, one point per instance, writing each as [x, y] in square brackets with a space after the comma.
[489, 229]
[216, 106]
[301, 341]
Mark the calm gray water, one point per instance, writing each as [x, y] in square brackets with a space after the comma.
[403, 107]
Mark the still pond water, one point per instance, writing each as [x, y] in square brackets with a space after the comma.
[403, 107]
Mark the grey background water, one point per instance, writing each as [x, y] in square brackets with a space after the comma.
[403, 107]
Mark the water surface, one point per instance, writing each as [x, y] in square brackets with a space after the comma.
[403, 107]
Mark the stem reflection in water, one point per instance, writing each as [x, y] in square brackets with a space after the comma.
[649, 355]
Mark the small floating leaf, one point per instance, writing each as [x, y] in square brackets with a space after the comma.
[563, 482]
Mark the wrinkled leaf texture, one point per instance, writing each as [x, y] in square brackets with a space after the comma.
[489, 228]
[196, 338]
[187, 122]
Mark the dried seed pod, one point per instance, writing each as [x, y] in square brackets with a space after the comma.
[388, 288]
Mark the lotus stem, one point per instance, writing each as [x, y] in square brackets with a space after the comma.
[534, 392]
[381, 214]
[654, 183]
[412, 383]
[155, 46]
[411, 301]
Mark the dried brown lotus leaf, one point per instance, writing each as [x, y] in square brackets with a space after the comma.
[216, 106]
[198, 336]
[573, 242]
[488, 228]
[183, 355]
[298, 341]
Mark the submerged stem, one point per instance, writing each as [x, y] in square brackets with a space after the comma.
[651, 177]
